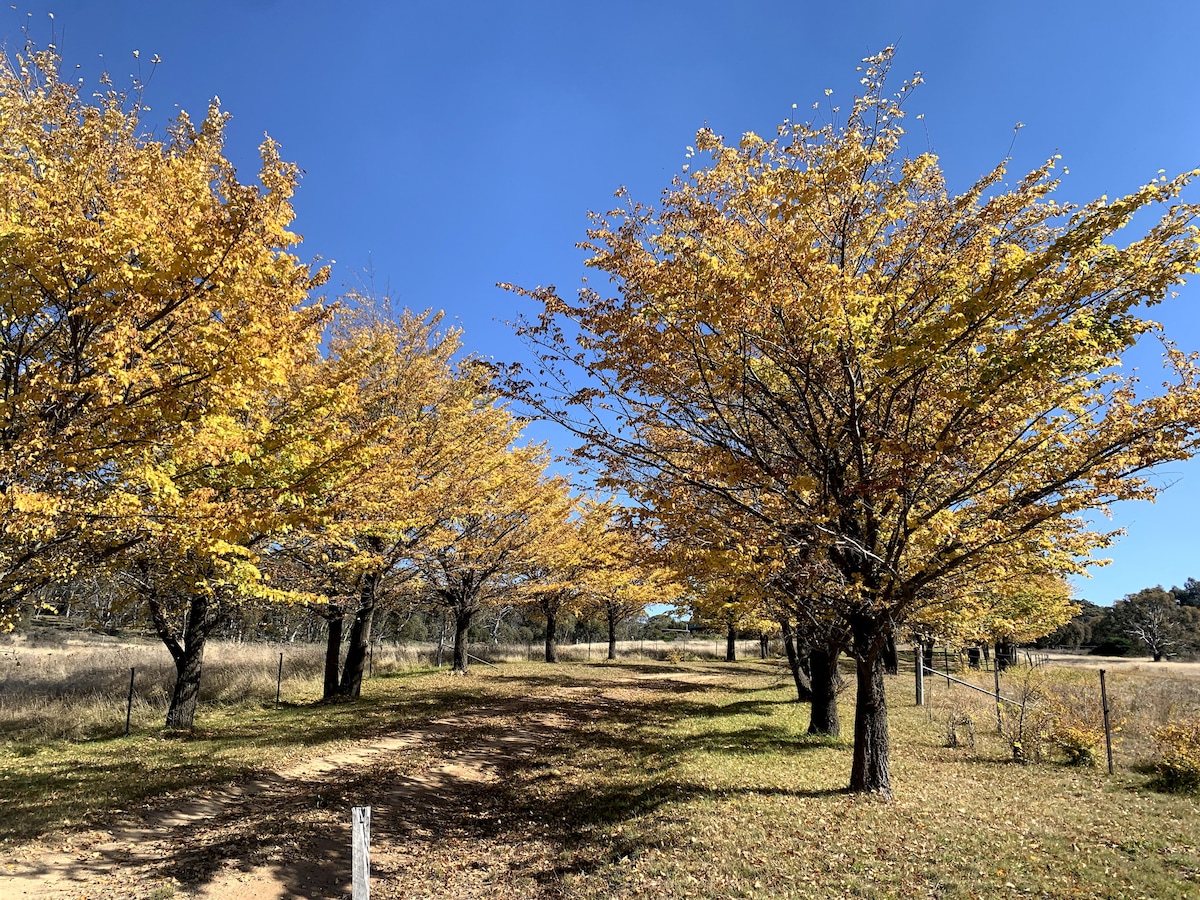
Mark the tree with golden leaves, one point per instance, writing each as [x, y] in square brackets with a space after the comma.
[142, 287]
[499, 523]
[188, 531]
[912, 383]
[627, 575]
[426, 430]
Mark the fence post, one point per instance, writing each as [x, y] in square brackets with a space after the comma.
[999, 720]
[129, 702]
[279, 681]
[920, 661]
[360, 822]
[1107, 727]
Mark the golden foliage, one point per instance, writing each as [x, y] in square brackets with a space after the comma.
[147, 298]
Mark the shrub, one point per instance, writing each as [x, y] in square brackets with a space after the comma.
[1075, 722]
[1179, 755]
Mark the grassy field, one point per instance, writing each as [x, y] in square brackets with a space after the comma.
[688, 779]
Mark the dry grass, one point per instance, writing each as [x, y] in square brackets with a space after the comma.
[1142, 697]
[77, 687]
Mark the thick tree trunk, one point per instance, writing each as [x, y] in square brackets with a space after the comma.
[333, 651]
[551, 636]
[731, 643]
[360, 639]
[823, 718]
[870, 772]
[974, 657]
[927, 653]
[797, 663]
[186, 695]
[187, 655]
[612, 635]
[462, 622]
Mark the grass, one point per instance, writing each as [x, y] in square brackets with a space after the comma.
[685, 780]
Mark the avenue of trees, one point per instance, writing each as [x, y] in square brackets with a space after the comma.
[837, 401]
[187, 427]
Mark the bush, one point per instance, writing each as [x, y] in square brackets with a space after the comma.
[1179, 755]
[1075, 720]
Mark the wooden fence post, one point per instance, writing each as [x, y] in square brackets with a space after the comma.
[129, 703]
[360, 821]
[1107, 727]
[920, 661]
[999, 719]
[279, 681]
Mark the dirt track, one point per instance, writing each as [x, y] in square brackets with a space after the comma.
[287, 835]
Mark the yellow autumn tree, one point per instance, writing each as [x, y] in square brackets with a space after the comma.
[194, 517]
[142, 286]
[498, 522]
[911, 383]
[427, 432]
[626, 575]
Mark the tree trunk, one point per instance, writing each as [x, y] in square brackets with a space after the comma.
[360, 639]
[188, 657]
[731, 643]
[927, 653]
[891, 657]
[462, 622]
[870, 772]
[333, 651]
[763, 644]
[551, 636]
[612, 634]
[799, 666]
[974, 657]
[823, 718]
[1006, 655]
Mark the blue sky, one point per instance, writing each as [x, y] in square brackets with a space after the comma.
[449, 146]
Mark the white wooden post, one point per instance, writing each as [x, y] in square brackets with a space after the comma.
[360, 818]
[918, 653]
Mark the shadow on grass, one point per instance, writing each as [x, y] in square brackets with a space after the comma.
[626, 752]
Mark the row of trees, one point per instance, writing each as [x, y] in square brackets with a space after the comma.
[833, 395]
[186, 426]
[872, 402]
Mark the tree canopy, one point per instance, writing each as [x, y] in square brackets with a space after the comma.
[909, 383]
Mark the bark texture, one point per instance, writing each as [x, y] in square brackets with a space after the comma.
[823, 718]
[333, 652]
[359, 647]
[797, 657]
[462, 622]
[187, 654]
[870, 772]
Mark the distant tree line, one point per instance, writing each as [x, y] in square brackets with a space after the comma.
[1163, 623]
